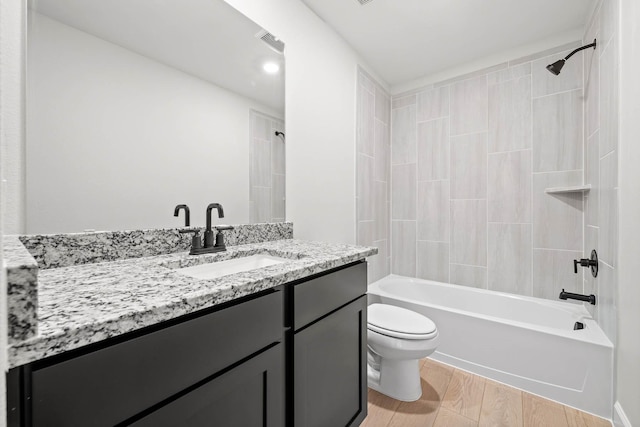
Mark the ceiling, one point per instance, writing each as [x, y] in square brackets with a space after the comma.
[208, 39]
[405, 40]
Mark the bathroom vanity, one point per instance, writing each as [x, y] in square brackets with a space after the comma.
[274, 346]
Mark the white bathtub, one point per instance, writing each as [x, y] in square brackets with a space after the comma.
[526, 342]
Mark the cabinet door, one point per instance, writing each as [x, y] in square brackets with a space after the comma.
[108, 386]
[330, 381]
[251, 394]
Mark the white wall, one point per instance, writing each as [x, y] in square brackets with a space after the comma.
[12, 16]
[116, 140]
[320, 118]
[11, 136]
[628, 360]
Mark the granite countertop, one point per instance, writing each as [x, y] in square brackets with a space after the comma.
[87, 303]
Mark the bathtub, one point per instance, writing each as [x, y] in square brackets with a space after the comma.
[525, 342]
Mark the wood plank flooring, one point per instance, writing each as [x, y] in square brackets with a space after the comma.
[455, 398]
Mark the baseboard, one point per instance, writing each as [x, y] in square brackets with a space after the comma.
[619, 417]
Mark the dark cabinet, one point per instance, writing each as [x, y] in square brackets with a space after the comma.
[290, 356]
[251, 394]
[330, 369]
[112, 384]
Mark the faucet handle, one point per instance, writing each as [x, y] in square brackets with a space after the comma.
[219, 236]
[196, 241]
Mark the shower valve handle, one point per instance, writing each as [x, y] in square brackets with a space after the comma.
[589, 263]
[583, 263]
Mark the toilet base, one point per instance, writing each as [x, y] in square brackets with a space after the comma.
[398, 379]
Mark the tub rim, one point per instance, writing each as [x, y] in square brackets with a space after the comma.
[592, 333]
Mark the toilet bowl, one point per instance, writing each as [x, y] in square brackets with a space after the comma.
[397, 339]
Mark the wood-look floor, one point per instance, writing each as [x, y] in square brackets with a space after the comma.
[455, 398]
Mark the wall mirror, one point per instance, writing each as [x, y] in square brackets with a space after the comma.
[134, 107]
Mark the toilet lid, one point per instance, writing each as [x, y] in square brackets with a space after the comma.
[399, 322]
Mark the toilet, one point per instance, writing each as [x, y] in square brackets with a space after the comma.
[397, 339]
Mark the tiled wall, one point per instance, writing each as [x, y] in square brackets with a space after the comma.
[601, 160]
[267, 169]
[471, 158]
[373, 172]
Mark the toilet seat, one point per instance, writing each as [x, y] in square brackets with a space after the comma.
[399, 322]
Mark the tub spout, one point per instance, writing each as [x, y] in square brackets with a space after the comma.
[591, 299]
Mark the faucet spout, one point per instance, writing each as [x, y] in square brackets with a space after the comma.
[212, 206]
[176, 211]
[209, 238]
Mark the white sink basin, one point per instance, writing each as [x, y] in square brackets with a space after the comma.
[214, 270]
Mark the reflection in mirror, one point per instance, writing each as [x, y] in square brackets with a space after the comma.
[136, 107]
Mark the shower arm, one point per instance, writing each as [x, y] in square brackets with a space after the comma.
[593, 45]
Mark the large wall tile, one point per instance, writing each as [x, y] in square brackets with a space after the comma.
[403, 248]
[591, 80]
[373, 174]
[381, 262]
[381, 210]
[468, 275]
[260, 126]
[609, 99]
[366, 81]
[469, 166]
[403, 188]
[433, 150]
[510, 115]
[590, 282]
[278, 160]
[469, 106]
[509, 187]
[433, 261]
[553, 271]
[545, 83]
[364, 187]
[433, 104]
[365, 232]
[606, 301]
[469, 232]
[608, 209]
[383, 106]
[403, 148]
[403, 101]
[260, 154]
[509, 260]
[557, 132]
[277, 196]
[382, 152]
[592, 176]
[365, 110]
[557, 218]
[510, 73]
[433, 211]
[260, 206]
[482, 72]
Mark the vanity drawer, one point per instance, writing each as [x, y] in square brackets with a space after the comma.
[320, 296]
[110, 385]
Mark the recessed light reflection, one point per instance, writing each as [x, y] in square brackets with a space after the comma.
[271, 67]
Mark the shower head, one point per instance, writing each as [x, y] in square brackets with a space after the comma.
[278, 133]
[556, 67]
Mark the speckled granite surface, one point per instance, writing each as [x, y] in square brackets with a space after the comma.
[46, 251]
[84, 304]
[63, 250]
[22, 295]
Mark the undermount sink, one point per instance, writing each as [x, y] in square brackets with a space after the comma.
[214, 270]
